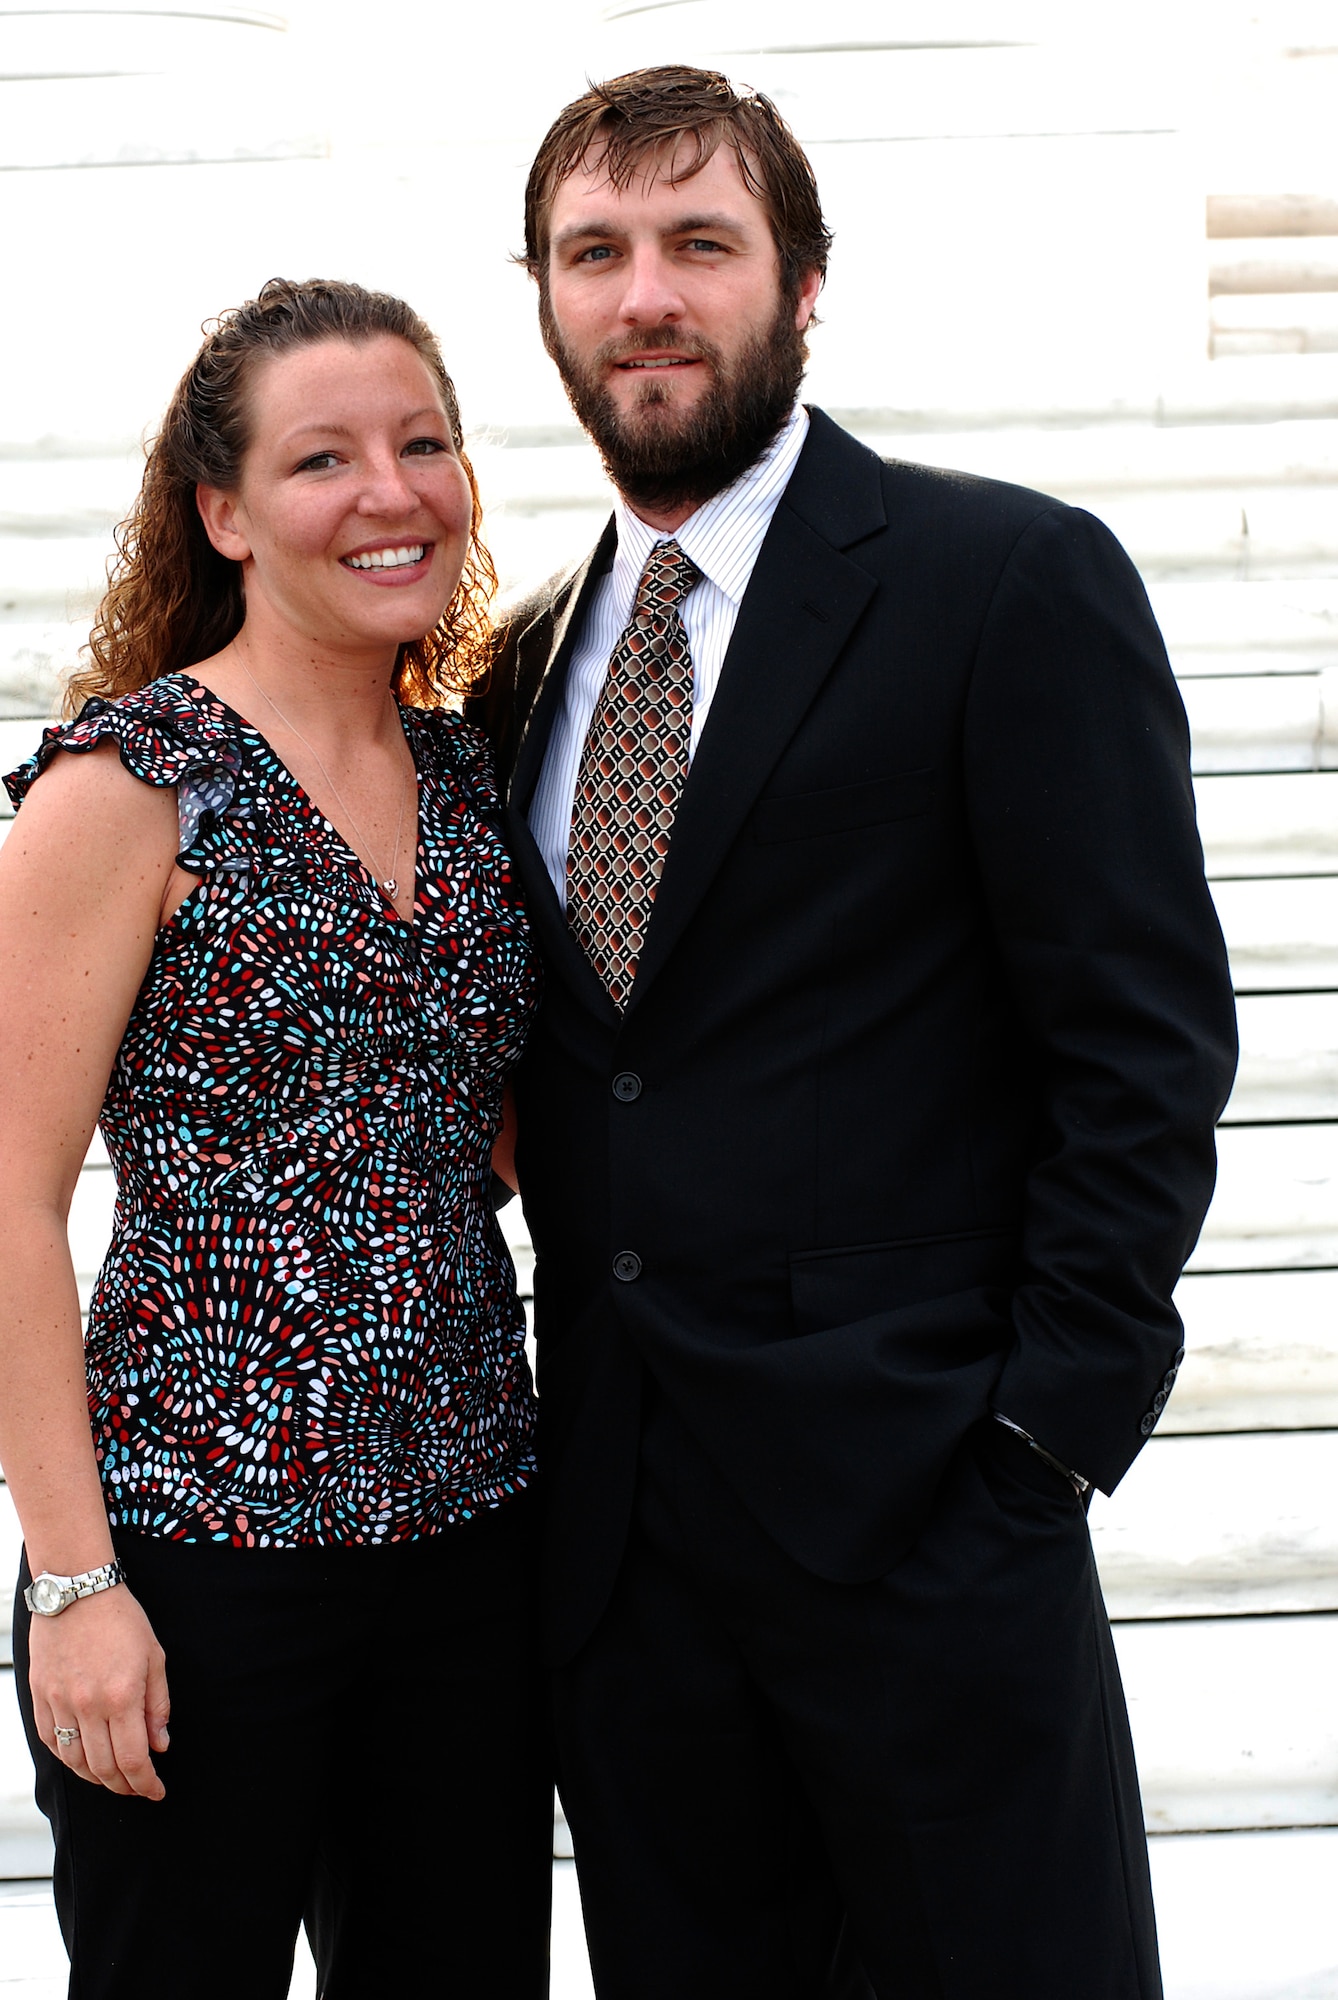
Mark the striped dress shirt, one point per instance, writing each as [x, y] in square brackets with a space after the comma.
[723, 538]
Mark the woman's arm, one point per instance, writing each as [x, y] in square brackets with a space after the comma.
[84, 877]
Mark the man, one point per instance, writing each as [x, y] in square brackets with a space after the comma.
[864, 1132]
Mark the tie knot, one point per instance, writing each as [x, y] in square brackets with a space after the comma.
[666, 580]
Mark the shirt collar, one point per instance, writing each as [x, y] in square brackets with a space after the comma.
[726, 532]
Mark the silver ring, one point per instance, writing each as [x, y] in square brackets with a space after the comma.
[66, 1736]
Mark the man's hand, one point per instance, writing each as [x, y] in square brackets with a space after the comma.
[97, 1668]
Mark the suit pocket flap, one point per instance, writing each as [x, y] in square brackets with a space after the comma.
[831, 1288]
[903, 795]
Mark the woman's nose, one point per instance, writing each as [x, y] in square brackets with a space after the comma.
[387, 488]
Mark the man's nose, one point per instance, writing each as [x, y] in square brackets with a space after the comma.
[651, 295]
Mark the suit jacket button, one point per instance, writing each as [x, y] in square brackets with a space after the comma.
[1178, 1357]
[1168, 1380]
[1159, 1402]
[627, 1266]
[627, 1086]
[1148, 1425]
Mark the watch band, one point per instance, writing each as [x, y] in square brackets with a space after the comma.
[48, 1594]
[1075, 1479]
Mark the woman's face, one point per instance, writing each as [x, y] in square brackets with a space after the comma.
[351, 518]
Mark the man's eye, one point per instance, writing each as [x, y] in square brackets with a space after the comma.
[703, 243]
[598, 253]
[320, 461]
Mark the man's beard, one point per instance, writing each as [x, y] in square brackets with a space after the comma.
[662, 460]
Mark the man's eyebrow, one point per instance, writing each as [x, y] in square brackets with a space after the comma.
[598, 229]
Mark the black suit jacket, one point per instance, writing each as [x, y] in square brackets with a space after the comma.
[911, 1111]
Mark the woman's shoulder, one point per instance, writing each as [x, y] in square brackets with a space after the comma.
[164, 733]
[453, 750]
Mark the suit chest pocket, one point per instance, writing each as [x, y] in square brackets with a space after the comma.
[845, 808]
[831, 1288]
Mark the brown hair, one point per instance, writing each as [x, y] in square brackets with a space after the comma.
[637, 123]
[171, 598]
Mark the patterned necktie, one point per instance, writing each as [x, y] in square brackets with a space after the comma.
[632, 770]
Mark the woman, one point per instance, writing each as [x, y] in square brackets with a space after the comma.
[261, 926]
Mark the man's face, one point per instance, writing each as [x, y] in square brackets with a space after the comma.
[664, 311]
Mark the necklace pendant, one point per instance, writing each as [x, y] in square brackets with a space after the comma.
[391, 887]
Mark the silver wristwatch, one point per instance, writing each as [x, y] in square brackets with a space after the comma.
[47, 1595]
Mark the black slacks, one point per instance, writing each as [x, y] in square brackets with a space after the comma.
[922, 1788]
[358, 1741]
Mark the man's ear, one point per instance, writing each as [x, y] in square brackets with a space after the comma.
[809, 287]
[221, 514]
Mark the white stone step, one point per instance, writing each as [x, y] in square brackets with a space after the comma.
[1270, 825]
[18, 740]
[1277, 529]
[1070, 462]
[25, 1841]
[1248, 1916]
[1288, 1058]
[1266, 264]
[1276, 1202]
[1261, 1353]
[34, 660]
[55, 488]
[1234, 1720]
[52, 576]
[1282, 935]
[1079, 463]
[1272, 389]
[1240, 626]
[1232, 216]
[1221, 1526]
[1263, 722]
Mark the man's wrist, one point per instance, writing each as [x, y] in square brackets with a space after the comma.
[1080, 1485]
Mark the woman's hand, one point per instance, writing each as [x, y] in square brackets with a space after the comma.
[98, 1668]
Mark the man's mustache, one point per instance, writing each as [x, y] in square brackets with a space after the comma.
[651, 340]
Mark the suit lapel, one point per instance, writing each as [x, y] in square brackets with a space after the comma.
[556, 629]
[801, 605]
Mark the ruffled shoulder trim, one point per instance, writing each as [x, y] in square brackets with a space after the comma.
[457, 753]
[172, 732]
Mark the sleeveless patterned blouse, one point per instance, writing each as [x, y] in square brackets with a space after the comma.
[307, 1329]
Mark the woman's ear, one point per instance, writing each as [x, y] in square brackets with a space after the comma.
[221, 513]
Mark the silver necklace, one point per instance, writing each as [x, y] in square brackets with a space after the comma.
[387, 883]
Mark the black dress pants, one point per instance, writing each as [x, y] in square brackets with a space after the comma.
[357, 1741]
[923, 1788]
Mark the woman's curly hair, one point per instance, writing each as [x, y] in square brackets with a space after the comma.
[171, 598]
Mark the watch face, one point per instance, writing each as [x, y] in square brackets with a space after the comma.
[48, 1597]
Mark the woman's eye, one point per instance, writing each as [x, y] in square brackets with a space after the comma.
[319, 461]
[426, 447]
